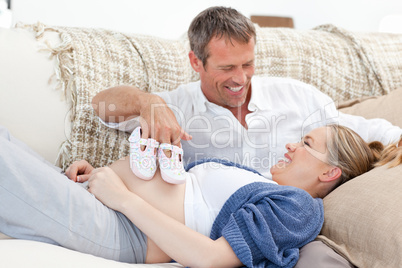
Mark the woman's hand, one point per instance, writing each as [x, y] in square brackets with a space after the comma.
[108, 188]
[79, 171]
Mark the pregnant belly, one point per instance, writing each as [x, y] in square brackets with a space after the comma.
[168, 198]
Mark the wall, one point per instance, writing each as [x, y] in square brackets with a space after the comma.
[5, 14]
[170, 18]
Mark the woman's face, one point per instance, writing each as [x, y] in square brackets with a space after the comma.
[304, 161]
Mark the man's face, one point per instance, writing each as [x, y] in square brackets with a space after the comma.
[226, 77]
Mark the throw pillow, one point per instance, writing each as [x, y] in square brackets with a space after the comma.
[362, 220]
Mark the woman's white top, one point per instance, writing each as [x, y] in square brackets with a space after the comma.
[208, 186]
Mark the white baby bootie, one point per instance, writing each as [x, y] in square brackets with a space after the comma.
[172, 170]
[142, 162]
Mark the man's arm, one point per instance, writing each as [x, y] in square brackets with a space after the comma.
[120, 103]
[157, 120]
[375, 129]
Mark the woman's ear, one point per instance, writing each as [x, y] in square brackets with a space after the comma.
[331, 175]
[195, 62]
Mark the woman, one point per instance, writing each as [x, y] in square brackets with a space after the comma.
[316, 165]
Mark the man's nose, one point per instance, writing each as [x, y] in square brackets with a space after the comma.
[240, 76]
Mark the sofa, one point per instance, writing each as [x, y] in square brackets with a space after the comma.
[48, 75]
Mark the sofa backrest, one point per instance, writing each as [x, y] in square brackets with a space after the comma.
[344, 65]
[341, 64]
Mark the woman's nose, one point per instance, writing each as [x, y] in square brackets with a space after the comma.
[291, 147]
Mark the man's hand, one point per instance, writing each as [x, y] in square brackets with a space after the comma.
[79, 171]
[159, 122]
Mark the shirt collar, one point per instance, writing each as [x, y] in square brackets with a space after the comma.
[257, 100]
[200, 101]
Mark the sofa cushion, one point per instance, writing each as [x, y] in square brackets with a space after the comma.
[362, 217]
[362, 220]
[388, 106]
[24, 253]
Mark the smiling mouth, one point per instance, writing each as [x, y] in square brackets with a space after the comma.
[285, 160]
[235, 89]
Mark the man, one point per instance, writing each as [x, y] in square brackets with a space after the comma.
[229, 113]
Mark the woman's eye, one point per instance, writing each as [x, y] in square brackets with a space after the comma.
[306, 143]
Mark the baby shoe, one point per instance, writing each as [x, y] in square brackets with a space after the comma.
[142, 162]
[172, 170]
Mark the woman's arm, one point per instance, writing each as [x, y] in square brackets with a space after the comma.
[181, 243]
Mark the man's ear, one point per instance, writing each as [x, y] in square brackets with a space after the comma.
[331, 175]
[195, 62]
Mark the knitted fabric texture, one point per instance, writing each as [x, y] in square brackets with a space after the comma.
[341, 64]
[266, 224]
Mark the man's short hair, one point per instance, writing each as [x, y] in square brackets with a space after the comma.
[218, 22]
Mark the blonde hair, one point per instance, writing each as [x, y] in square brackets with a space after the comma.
[392, 154]
[349, 152]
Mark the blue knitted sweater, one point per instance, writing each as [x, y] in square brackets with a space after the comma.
[266, 224]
